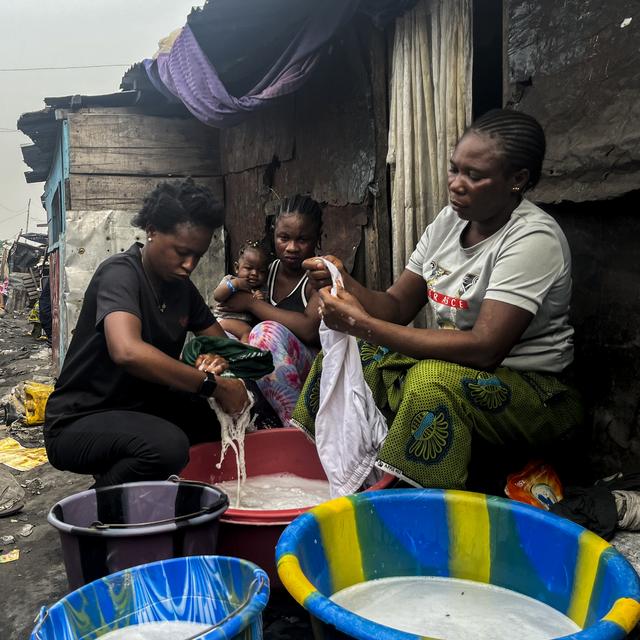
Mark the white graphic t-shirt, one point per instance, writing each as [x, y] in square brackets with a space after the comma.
[526, 263]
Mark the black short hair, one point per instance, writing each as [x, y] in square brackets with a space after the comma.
[185, 202]
[521, 139]
[305, 206]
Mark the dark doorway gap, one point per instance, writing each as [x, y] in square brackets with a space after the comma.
[487, 56]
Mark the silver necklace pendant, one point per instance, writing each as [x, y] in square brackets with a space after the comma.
[161, 305]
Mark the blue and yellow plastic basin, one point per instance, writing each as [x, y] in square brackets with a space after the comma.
[456, 534]
[226, 593]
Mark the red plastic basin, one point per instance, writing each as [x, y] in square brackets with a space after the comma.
[251, 534]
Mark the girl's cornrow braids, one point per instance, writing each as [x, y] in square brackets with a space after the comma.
[304, 205]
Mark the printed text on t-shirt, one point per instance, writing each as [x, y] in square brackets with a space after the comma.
[449, 301]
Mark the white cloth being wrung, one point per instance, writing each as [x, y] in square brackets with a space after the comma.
[349, 428]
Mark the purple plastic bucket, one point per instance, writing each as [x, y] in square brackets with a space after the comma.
[113, 528]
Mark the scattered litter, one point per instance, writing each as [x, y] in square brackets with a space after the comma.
[26, 531]
[27, 400]
[12, 408]
[35, 486]
[26, 436]
[14, 455]
[536, 484]
[10, 557]
[11, 494]
[626, 22]
[7, 540]
[43, 353]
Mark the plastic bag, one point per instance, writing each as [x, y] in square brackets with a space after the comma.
[537, 484]
[36, 396]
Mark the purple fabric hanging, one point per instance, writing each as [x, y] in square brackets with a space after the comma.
[186, 73]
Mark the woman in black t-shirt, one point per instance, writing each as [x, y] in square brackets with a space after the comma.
[125, 408]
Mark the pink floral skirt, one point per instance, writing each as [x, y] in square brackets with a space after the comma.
[292, 360]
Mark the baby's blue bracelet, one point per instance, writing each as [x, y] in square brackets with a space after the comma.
[230, 285]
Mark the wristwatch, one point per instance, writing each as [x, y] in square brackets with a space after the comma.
[208, 385]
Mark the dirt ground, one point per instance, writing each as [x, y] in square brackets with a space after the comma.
[38, 578]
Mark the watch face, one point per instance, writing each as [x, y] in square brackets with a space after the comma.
[208, 385]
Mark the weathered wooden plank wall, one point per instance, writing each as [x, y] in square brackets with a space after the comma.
[100, 191]
[127, 142]
[118, 155]
[329, 141]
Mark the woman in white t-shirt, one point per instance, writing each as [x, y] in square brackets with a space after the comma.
[496, 270]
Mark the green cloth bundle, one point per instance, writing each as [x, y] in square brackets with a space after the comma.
[245, 361]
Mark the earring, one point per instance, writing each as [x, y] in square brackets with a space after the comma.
[515, 189]
[149, 239]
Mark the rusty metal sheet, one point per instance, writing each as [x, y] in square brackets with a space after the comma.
[266, 133]
[334, 130]
[248, 203]
[335, 155]
[342, 231]
[245, 200]
[575, 65]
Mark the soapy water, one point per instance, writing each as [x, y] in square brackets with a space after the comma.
[268, 492]
[275, 492]
[168, 630]
[233, 430]
[454, 609]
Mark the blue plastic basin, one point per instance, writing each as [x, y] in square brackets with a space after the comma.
[205, 589]
[454, 534]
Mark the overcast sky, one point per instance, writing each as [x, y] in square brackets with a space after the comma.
[60, 33]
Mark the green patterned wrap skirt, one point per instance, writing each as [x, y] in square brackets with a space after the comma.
[433, 408]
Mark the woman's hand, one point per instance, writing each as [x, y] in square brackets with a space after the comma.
[319, 275]
[231, 395]
[212, 363]
[238, 302]
[343, 312]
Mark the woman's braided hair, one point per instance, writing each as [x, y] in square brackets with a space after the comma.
[520, 137]
[186, 202]
[305, 206]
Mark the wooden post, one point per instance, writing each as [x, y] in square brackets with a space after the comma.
[377, 235]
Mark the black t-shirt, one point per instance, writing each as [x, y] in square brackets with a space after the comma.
[90, 381]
